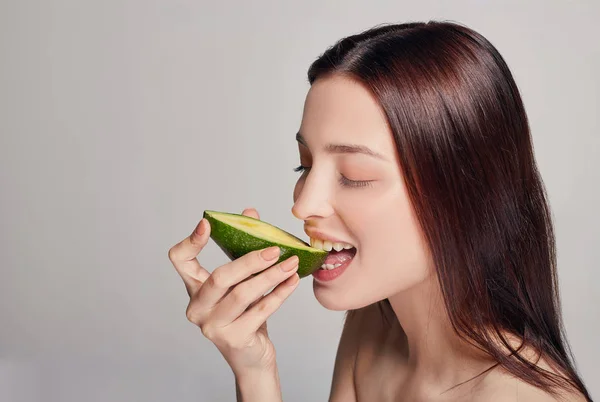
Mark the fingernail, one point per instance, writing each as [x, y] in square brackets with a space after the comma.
[290, 263]
[270, 253]
[200, 229]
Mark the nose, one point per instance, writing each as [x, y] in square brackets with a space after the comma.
[312, 199]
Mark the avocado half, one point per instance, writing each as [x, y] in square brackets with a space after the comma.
[238, 234]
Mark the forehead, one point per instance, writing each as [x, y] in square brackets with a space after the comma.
[339, 109]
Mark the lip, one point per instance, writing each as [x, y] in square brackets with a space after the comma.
[316, 234]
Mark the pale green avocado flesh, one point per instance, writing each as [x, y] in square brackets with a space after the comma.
[238, 234]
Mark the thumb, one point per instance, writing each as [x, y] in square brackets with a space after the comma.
[251, 212]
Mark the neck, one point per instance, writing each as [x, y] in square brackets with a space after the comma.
[437, 358]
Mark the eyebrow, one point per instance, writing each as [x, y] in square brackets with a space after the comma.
[345, 148]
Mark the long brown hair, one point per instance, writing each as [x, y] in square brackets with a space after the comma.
[467, 159]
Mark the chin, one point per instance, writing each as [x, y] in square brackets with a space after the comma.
[334, 301]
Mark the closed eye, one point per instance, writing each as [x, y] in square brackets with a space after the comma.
[344, 181]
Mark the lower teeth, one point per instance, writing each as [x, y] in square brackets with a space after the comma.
[338, 264]
[329, 269]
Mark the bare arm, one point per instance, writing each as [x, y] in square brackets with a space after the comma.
[259, 386]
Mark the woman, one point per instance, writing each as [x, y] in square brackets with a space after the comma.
[415, 149]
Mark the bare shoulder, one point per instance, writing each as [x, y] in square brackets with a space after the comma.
[501, 386]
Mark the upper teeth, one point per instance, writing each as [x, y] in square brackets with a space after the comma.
[327, 245]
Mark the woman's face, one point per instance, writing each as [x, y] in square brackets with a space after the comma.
[375, 217]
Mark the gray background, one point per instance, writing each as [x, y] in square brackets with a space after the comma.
[121, 121]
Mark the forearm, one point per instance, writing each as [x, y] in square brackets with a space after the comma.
[260, 386]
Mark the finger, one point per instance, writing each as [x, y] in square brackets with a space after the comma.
[196, 311]
[183, 257]
[230, 274]
[252, 212]
[256, 316]
[254, 303]
[238, 300]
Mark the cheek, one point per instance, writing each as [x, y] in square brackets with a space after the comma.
[394, 252]
[392, 256]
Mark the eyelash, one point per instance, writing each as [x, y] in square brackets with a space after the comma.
[343, 180]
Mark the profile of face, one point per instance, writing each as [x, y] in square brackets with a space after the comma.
[375, 216]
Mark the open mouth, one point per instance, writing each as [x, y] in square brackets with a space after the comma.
[339, 252]
[337, 258]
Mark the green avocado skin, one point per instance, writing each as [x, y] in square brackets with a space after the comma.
[236, 243]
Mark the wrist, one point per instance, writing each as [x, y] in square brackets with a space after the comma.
[258, 385]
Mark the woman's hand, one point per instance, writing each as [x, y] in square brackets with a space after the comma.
[228, 304]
